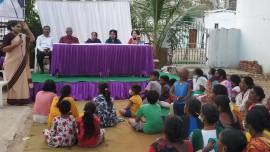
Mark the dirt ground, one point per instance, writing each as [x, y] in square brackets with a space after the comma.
[121, 138]
[118, 139]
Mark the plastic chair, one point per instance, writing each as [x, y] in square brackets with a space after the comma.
[36, 66]
[3, 90]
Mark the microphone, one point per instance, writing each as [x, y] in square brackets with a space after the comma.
[20, 35]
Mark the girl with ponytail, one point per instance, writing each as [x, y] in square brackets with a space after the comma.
[105, 108]
[65, 95]
[89, 132]
[191, 119]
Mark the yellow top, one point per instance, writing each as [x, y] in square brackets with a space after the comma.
[136, 104]
[54, 111]
[236, 111]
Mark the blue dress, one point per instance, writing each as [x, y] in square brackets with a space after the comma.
[180, 90]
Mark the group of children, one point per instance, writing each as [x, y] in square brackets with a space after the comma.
[207, 113]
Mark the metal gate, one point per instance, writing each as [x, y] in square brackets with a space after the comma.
[189, 43]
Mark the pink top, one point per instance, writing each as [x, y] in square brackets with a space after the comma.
[43, 103]
[228, 85]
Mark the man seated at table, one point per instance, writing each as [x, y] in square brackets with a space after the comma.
[113, 38]
[93, 38]
[44, 46]
[69, 39]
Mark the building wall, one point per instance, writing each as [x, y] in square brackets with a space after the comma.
[253, 18]
[223, 48]
[224, 18]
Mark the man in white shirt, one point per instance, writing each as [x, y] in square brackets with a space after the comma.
[44, 46]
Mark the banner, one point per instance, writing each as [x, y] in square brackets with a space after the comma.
[12, 9]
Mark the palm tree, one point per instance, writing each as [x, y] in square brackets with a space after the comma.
[157, 17]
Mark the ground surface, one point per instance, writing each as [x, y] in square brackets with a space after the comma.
[117, 139]
[16, 124]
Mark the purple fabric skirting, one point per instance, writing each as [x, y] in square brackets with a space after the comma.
[89, 90]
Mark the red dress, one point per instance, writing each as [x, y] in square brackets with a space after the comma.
[95, 139]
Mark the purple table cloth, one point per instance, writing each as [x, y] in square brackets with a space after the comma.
[101, 60]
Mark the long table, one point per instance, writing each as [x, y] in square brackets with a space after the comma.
[101, 60]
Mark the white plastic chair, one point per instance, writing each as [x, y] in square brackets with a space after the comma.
[3, 90]
[36, 66]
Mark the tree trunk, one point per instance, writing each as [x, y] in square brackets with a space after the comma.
[162, 55]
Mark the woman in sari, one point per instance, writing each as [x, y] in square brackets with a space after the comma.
[16, 64]
[258, 124]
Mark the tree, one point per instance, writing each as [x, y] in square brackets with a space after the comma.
[32, 17]
[33, 21]
[156, 18]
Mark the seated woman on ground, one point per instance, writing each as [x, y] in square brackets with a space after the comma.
[235, 81]
[63, 130]
[199, 82]
[246, 84]
[212, 80]
[105, 109]
[151, 112]
[89, 132]
[255, 97]
[205, 139]
[217, 90]
[172, 140]
[258, 123]
[222, 79]
[232, 140]
[191, 119]
[134, 103]
[43, 102]
[227, 119]
[65, 95]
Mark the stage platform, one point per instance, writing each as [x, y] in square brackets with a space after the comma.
[85, 87]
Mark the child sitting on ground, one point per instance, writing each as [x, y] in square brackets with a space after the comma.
[89, 132]
[105, 109]
[173, 141]
[134, 103]
[65, 95]
[43, 102]
[191, 119]
[63, 130]
[152, 115]
[181, 92]
[153, 84]
[165, 88]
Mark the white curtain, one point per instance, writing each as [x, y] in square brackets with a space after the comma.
[85, 17]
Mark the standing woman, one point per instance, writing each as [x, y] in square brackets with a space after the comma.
[16, 64]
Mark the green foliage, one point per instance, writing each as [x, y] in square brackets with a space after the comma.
[155, 18]
[32, 17]
[33, 21]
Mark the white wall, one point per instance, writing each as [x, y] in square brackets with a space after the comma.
[225, 19]
[253, 18]
[223, 48]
